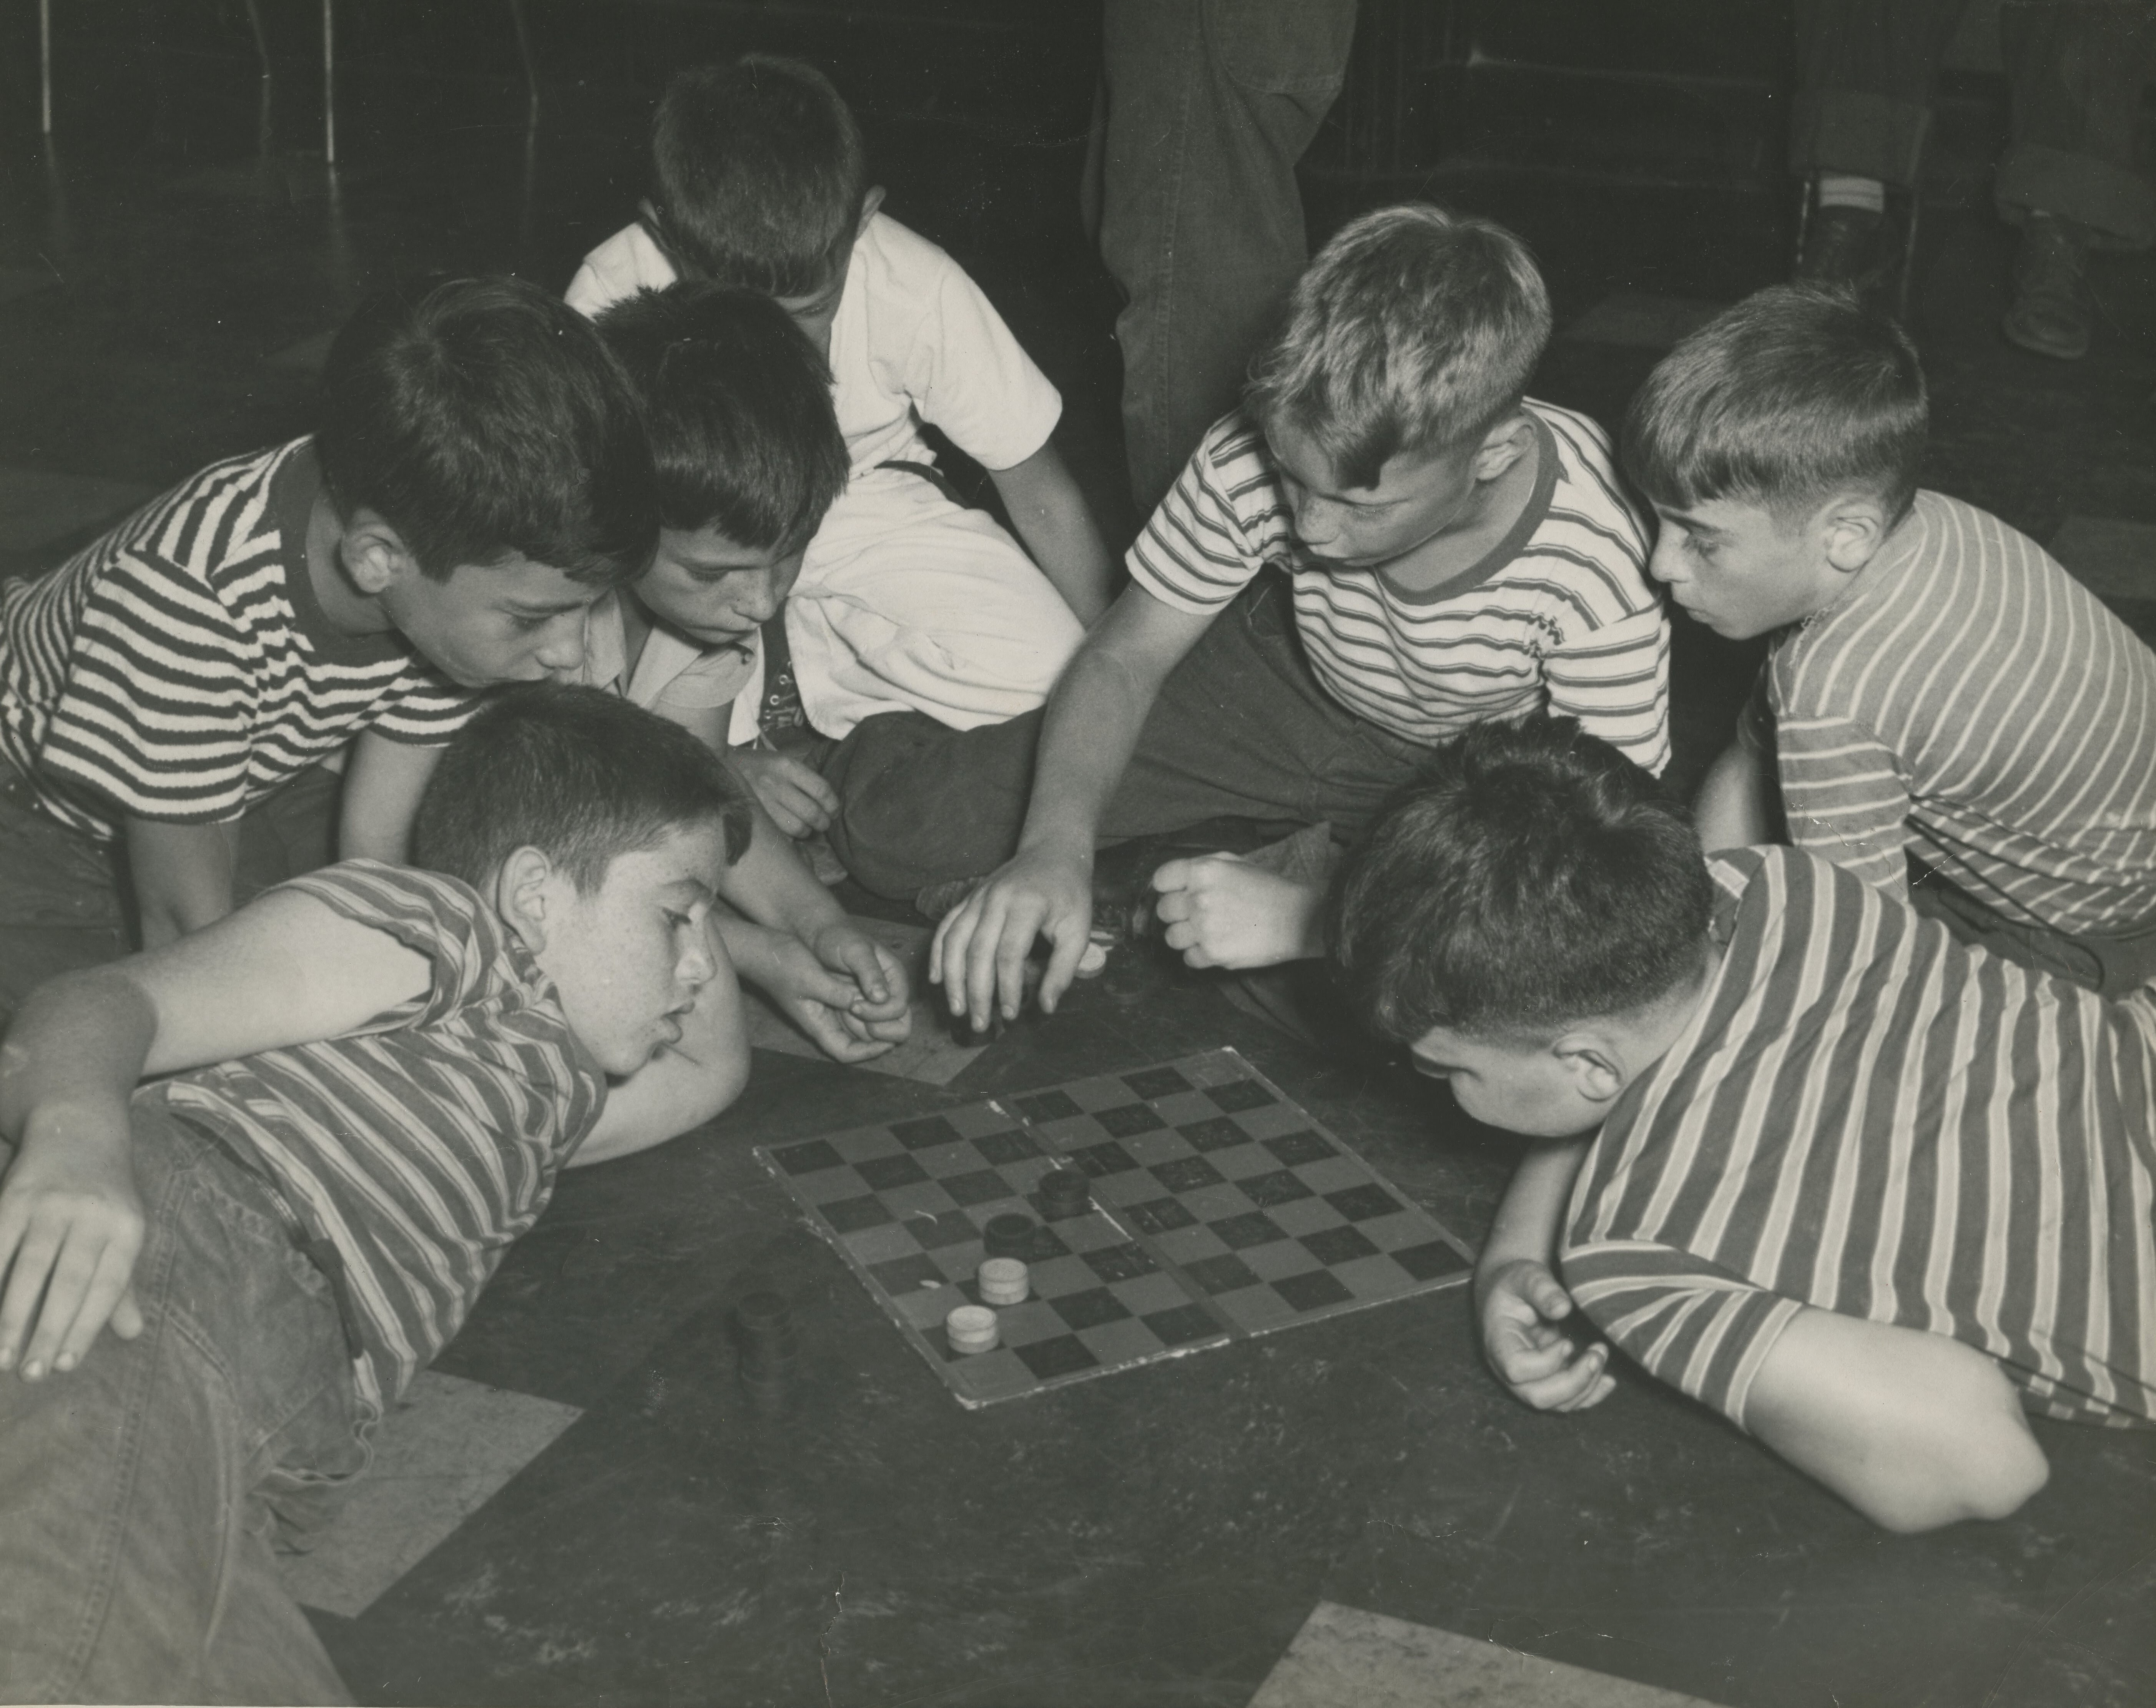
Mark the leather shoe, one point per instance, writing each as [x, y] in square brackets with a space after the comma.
[2050, 311]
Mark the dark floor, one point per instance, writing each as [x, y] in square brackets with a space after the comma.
[1158, 1536]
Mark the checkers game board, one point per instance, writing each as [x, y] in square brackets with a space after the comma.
[1221, 1210]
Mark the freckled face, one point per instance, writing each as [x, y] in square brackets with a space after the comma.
[1733, 568]
[713, 590]
[1522, 1088]
[514, 621]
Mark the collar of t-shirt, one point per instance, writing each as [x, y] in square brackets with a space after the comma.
[292, 492]
[1517, 536]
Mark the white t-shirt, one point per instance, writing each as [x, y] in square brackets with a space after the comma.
[914, 340]
[670, 671]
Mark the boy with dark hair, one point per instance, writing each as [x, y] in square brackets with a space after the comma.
[1950, 714]
[747, 459]
[1390, 542]
[478, 478]
[908, 601]
[1800, 1153]
[364, 1083]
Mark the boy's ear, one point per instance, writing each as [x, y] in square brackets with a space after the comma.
[1504, 445]
[373, 554]
[1596, 1067]
[523, 895]
[1852, 529]
[870, 203]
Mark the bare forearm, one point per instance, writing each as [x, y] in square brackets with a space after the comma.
[1731, 810]
[182, 876]
[1525, 1224]
[1090, 731]
[770, 884]
[80, 1043]
[1056, 527]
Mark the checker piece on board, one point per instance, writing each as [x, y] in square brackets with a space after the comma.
[1066, 1192]
[1004, 1281]
[972, 1328]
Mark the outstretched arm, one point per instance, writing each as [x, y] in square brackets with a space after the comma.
[1735, 805]
[1057, 527]
[1913, 1429]
[1519, 1299]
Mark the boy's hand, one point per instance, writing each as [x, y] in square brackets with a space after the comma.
[1521, 1303]
[799, 801]
[827, 1005]
[71, 1229]
[1221, 911]
[880, 1008]
[980, 950]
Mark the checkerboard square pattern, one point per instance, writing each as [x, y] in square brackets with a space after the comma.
[1220, 1211]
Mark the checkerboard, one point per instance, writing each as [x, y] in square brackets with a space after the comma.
[1220, 1211]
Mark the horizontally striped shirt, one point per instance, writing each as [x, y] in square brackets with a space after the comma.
[1968, 701]
[181, 667]
[1558, 616]
[418, 1146]
[1866, 1116]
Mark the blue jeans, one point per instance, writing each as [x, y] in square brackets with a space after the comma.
[139, 1493]
[1209, 105]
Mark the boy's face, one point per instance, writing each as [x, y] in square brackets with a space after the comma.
[1418, 496]
[628, 959]
[1530, 1089]
[514, 621]
[713, 590]
[815, 312]
[1732, 567]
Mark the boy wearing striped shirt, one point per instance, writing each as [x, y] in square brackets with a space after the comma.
[366, 1082]
[1389, 543]
[477, 478]
[1949, 714]
[1866, 1191]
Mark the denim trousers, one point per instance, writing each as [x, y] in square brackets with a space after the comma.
[140, 1492]
[1241, 730]
[2074, 69]
[1209, 104]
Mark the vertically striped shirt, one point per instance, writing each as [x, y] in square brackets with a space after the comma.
[1558, 617]
[1866, 1116]
[181, 667]
[1967, 700]
[420, 1146]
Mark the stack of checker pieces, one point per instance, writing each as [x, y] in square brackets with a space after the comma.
[1220, 1211]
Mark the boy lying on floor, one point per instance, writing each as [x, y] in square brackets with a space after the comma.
[1864, 1190]
[361, 1087]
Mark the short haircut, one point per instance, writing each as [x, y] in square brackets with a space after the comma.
[759, 174]
[737, 407]
[1413, 329]
[582, 775]
[1529, 878]
[483, 418]
[1796, 395]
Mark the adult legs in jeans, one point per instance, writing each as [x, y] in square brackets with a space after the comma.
[1209, 105]
[138, 1492]
[1241, 730]
[1864, 70]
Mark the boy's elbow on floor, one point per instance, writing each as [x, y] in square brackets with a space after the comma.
[1990, 1472]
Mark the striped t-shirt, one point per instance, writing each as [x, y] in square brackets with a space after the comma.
[1558, 617]
[1866, 1116]
[420, 1146]
[181, 667]
[1968, 701]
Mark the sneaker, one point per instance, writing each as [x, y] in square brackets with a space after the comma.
[2050, 311]
[1846, 247]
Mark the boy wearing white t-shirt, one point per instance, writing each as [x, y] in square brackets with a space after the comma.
[906, 600]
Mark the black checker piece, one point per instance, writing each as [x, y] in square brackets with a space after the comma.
[1188, 1174]
[936, 1231]
[1283, 1186]
[1131, 1119]
[1180, 1324]
[1331, 1245]
[1313, 1291]
[1057, 1357]
[920, 1135]
[851, 1215]
[982, 1185]
[1240, 1094]
[1105, 1158]
[1239, 1233]
[885, 1172]
[1091, 1308]
[1296, 1149]
[1046, 1105]
[807, 1159]
[1222, 1274]
[1423, 1262]
[1005, 1148]
[1359, 1203]
[1161, 1215]
[1217, 1134]
[1155, 1082]
[1120, 1263]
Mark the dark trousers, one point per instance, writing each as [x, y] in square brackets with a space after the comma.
[2109, 966]
[1241, 730]
[1863, 105]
